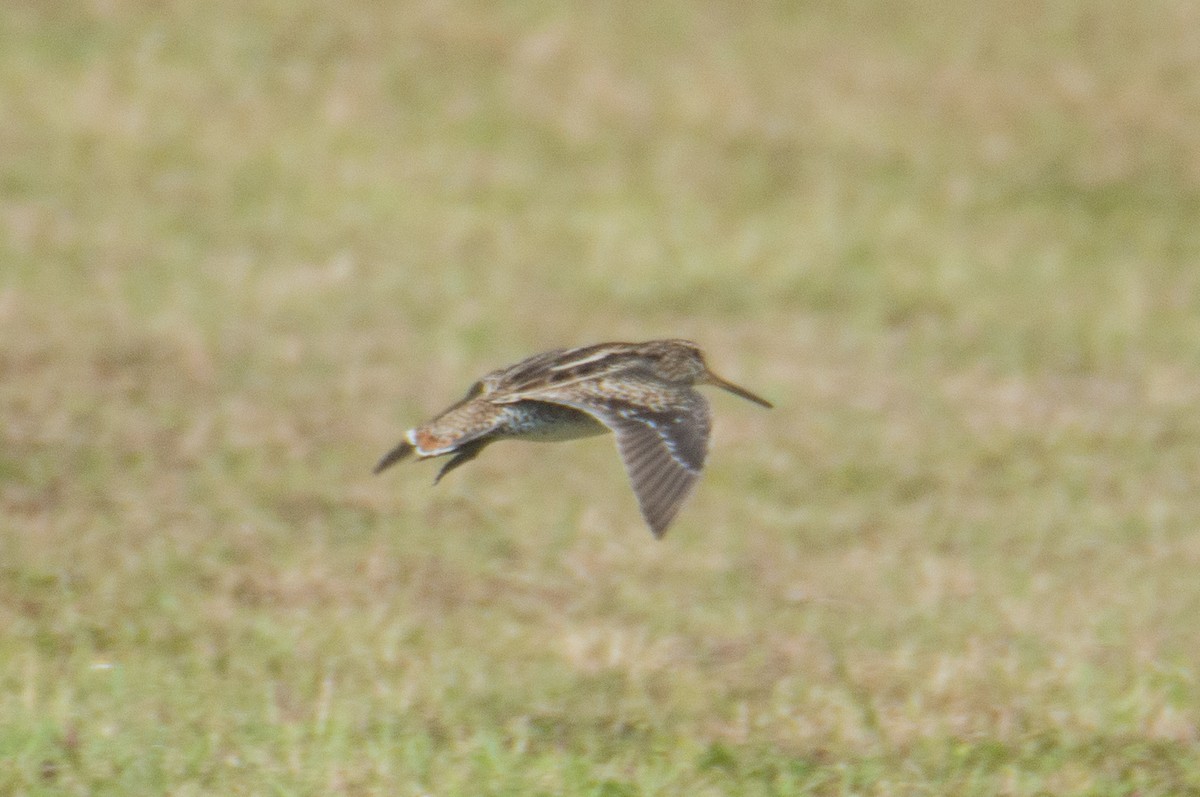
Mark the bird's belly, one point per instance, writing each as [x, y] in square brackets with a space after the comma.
[544, 423]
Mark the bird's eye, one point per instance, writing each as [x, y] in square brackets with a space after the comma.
[475, 390]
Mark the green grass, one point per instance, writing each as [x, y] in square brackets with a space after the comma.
[244, 245]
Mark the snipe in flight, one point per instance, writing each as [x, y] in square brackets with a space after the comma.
[642, 392]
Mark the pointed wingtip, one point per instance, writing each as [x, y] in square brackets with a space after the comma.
[402, 450]
[659, 519]
[462, 455]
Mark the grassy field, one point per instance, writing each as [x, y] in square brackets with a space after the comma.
[243, 245]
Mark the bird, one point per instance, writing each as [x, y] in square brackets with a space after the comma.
[643, 393]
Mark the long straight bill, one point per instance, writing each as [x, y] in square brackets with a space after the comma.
[713, 379]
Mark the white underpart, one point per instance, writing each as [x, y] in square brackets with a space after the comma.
[563, 431]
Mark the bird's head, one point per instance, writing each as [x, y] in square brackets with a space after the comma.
[682, 361]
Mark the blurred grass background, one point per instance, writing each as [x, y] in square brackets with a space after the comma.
[244, 245]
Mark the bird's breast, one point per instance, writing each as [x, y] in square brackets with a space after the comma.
[540, 421]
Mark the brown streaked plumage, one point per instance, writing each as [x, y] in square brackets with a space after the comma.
[642, 392]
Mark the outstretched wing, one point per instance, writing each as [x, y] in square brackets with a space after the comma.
[663, 442]
[663, 453]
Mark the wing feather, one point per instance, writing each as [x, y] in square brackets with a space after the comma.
[548, 373]
[663, 443]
